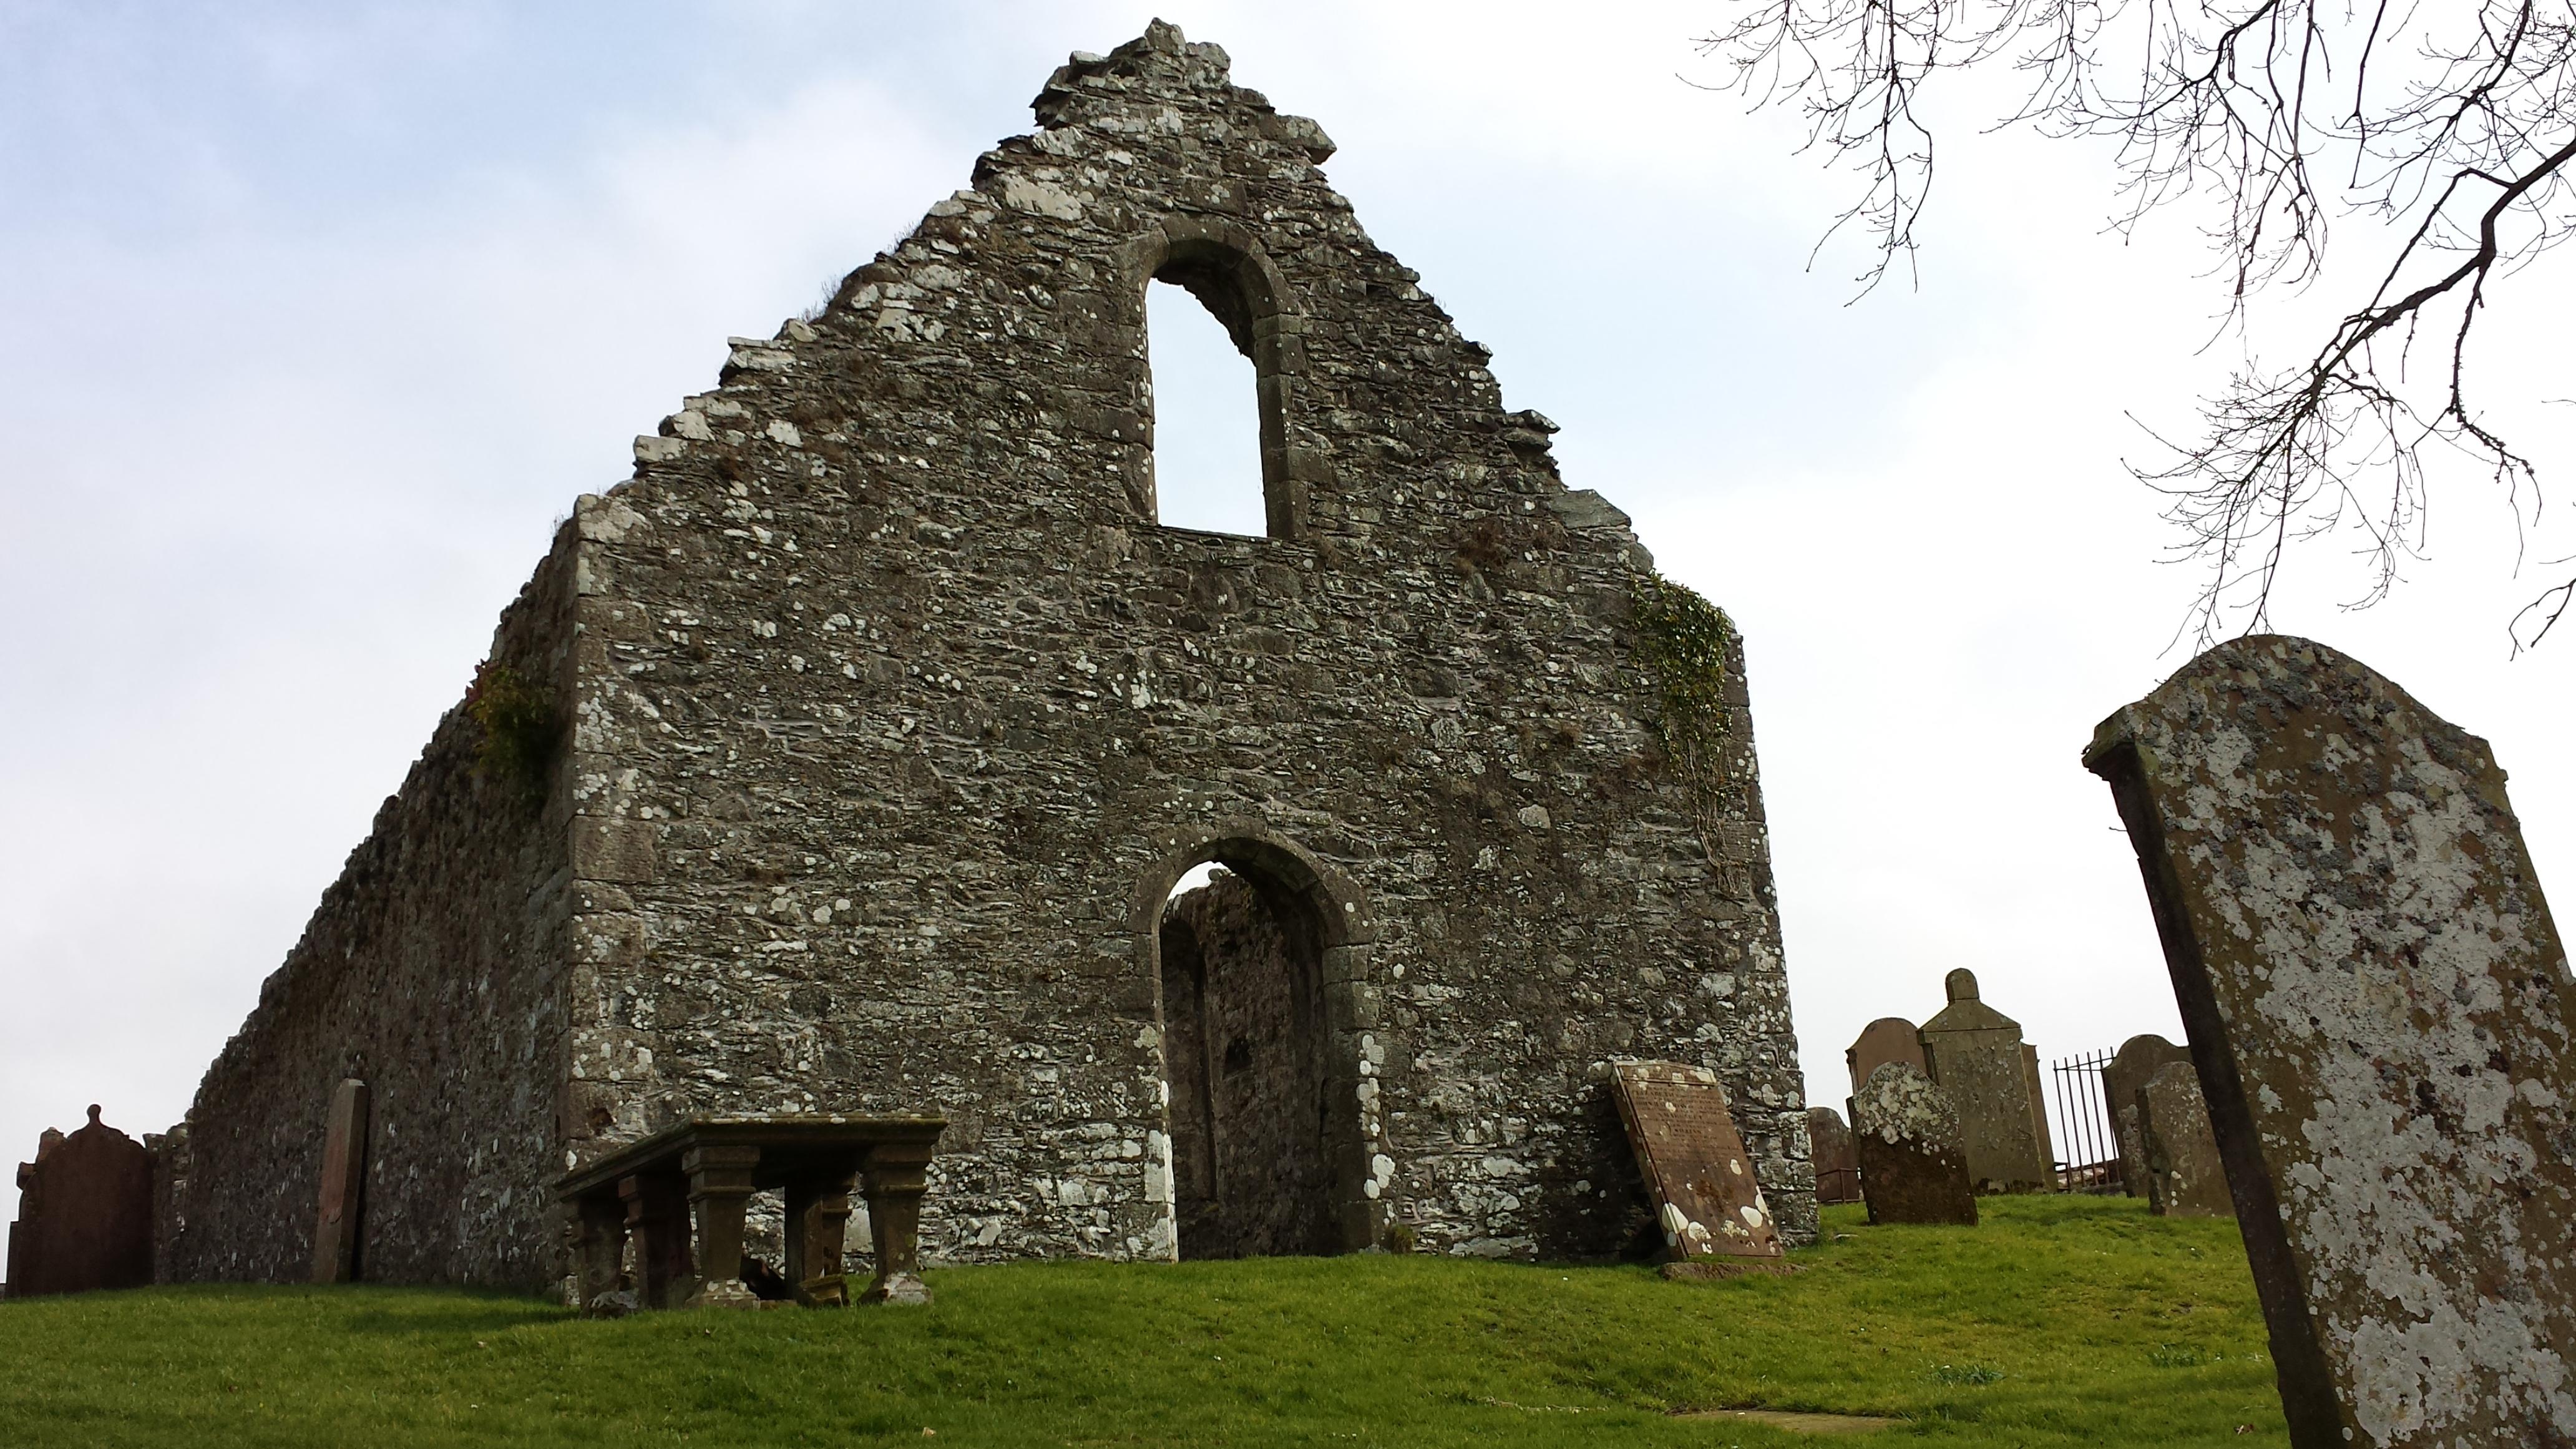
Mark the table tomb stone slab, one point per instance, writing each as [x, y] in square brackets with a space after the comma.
[1907, 1133]
[1696, 1169]
[2380, 1012]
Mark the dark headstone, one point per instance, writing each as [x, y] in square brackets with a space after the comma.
[84, 1214]
[1837, 1159]
[2184, 1178]
[2380, 1010]
[2139, 1058]
[339, 1228]
[1975, 1053]
[1907, 1132]
[1695, 1166]
[1888, 1039]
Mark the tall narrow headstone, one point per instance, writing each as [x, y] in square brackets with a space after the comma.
[2138, 1058]
[1907, 1131]
[1837, 1159]
[340, 1227]
[1975, 1053]
[1701, 1178]
[2184, 1178]
[2038, 1108]
[84, 1214]
[2382, 1020]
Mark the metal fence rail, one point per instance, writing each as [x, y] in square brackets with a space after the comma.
[2085, 1133]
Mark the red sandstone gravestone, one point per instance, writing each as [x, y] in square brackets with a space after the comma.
[338, 1229]
[1837, 1160]
[84, 1214]
[1888, 1039]
[1695, 1166]
[2380, 1014]
[1911, 1167]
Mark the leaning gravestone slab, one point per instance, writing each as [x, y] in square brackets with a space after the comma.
[2138, 1058]
[1837, 1159]
[1975, 1053]
[1911, 1170]
[1695, 1165]
[2381, 1011]
[2184, 1178]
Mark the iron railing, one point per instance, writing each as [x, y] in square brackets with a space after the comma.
[2085, 1133]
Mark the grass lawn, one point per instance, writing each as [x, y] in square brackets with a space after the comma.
[2059, 1321]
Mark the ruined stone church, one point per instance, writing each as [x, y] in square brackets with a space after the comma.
[845, 758]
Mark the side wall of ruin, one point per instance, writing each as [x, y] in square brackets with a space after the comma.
[433, 970]
[906, 712]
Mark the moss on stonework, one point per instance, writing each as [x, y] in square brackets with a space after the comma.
[1685, 643]
[519, 727]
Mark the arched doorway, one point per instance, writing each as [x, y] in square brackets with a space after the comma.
[1270, 1147]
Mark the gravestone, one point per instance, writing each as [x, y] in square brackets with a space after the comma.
[1695, 1166]
[2038, 1106]
[1888, 1039]
[1975, 1053]
[2183, 1175]
[84, 1214]
[339, 1228]
[1837, 1159]
[2138, 1058]
[1907, 1133]
[2380, 1010]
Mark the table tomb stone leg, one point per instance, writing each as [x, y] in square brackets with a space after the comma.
[657, 1221]
[894, 1175]
[818, 1218]
[719, 1189]
[600, 1222]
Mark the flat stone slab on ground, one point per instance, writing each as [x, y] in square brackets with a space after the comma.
[2382, 1008]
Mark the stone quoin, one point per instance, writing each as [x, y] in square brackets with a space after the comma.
[842, 761]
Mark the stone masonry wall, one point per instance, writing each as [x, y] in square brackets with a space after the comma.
[433, 970]
[898, 714]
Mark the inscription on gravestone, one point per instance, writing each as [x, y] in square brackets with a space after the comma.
[2139, 1058]
[1975, 1053]
[1695, 1165]
[2184, 1178]
[2379, 1007]
[1907, 1130]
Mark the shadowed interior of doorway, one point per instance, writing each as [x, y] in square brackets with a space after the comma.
[1243, 1052]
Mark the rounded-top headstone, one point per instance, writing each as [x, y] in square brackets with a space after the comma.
[1960, 984]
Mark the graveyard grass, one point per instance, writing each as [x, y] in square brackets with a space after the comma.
[2058, 1321]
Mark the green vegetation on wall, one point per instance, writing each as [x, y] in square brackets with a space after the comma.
[1685, 644]
[520, 729]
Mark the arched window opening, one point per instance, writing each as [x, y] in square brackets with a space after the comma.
[1243, 1055]
[1207, 415]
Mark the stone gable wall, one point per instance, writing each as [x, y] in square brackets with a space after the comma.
[433, 970]
[898, 713]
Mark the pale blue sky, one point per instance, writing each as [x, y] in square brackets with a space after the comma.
[313, 318]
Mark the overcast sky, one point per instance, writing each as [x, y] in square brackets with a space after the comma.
[314, 319]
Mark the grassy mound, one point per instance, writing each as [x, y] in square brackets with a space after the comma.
[2059, 1321]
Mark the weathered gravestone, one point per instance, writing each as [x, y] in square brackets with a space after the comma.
[2138, 1058]
[84, 1214]
[1837, 1159]
[1695, 1166]
[1888, 1039]
[2379, 1008]
[2039, 1134]
[1975, 1053]
[2184, 1178]
[1907, 1131]
[338, 1229]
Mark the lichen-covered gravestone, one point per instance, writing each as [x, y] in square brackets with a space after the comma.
[2184, 1178]
[2138, 1058]
[1975, 1053]
[1837, 1159]
[2379, 1007]
[1706, 1199]
[1911, 1168]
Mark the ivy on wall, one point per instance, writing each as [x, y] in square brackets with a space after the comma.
[520, 729]
[1684, 643]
